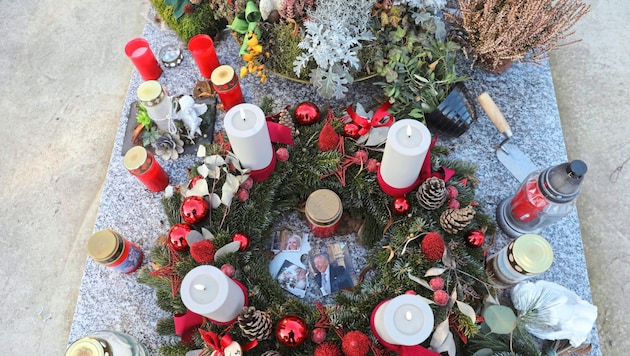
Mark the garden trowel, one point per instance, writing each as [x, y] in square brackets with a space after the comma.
[509, 154]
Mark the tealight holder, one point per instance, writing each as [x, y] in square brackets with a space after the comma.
[171, 55]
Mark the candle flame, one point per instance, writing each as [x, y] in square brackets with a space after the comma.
[199, 286]
[409, 132]
[243, 114]
[408, 316]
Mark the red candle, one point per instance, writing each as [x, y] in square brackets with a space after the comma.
[142, 164]
[528, 202]
[202, 49]
[225, 83]
[143, 59]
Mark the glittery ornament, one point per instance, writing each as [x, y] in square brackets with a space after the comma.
[432, 246]
[247, 183]
[400, 205]
[194, 209]
[203, 251]
[228, 270]
[327, 349]
[306, 113]
[318, 335]
[177, 237]
[282, 154]
[372, 165]
[436, 283]
[243, 239]
[242, 195]
[451, 192]
[328, 138]
[475, 238]
[351, 130]
[291, 331]
[355, 343]
[453, 204]
[361, 156]
[440, 297]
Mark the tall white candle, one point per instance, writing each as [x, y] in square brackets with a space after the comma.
[406, 147]
[247, 131]
[207, 291]
[405, 320]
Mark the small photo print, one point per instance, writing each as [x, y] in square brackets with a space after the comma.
[293, 278]
[286, 240]
[332, 268]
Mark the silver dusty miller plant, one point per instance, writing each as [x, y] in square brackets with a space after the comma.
[333, 37]
[427, 13]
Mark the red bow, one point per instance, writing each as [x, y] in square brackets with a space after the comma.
[213, 341]
[380, 118]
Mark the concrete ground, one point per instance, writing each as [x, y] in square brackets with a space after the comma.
[63, 78]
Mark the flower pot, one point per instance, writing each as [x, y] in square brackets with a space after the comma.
[454, 114]
[494, 66]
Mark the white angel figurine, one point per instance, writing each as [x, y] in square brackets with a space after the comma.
[189, 114]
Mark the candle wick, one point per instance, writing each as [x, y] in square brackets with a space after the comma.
[243, 115]
[199, 287]
[409, 132]
[408, 316]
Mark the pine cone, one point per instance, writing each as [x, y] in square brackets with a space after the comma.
[286, 120]
[168, 146]
[455, 220]
[255, 324]
[271, 353]
[432, 193]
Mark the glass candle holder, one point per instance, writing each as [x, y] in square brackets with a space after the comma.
[143, 59]
[110, 249]
[107, 342]
[171, 55]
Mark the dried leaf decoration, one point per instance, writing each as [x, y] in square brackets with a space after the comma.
[391, 252]
[442, 340]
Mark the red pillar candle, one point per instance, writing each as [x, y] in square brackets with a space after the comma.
[202, 49]
[225, 83]
[143, 59]
[143, 165]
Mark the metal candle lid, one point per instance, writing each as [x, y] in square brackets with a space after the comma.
[171, 55]
[88, 346]
[532, 253]
[323, 207]
[135, 157]
[222, 75]
[104, 245]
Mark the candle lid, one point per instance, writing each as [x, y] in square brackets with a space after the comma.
[135, 157]
[323, 206]
[532, 253]
[88, 346]
[222, 75]
[103, 245]
[149, 90]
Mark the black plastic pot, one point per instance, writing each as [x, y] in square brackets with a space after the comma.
[455, 114]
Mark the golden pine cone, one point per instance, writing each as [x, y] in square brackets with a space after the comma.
[456, 220]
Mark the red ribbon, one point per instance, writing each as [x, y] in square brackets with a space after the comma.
[219, 345]
[380, 118]
[184, 323]
[280, 133]
[425, 171]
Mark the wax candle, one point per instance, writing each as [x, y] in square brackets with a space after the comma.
[155, 99]
[225, 83]
[406, 147]
[405, 320]
[207, 291]
[143, 59]
[202, 49]
[143, 165]
[247, 131]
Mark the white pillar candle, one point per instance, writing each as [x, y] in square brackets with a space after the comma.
[247, 131]
[157, 102]
[405, 320]
[207, 291]
[406, 147]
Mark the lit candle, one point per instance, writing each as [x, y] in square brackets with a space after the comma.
[207, 291]
[202, 49]
[225, 83]
[406, 147]
[405, 320]
[143, 59]
[157, 102]
[142, 164]
[247, 131]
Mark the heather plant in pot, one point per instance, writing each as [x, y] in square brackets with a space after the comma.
[499, 32]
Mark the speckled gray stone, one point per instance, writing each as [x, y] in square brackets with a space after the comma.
[111, 300]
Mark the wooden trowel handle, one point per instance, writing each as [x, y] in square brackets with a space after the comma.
[493, 112]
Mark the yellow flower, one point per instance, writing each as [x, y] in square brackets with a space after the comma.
[248, 57]
[243, 71]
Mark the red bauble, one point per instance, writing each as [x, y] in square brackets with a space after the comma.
[432, 246]
[318, 335]
[401, 205]
[327, 349]
[306, 113]
[475, 238]
[247, 183]
[242, 194]
[177, 237]
[228, 270]
[440, 297]
[355, 343]
[194, 209]
[436, 283]
[372, 165]
[291, 331]
[203, 251]
[282, 154]
[351, 130]
[242, 238]
[453, 204]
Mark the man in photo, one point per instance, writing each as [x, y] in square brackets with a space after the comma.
[330, 278]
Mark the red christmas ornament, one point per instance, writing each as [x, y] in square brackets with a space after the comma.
[203, 251]
[440, 297]
[436, 283]
[306, 113]
[432, 246]
[327, 349]
[355, 343]
[318, 335]
[177, 237]
[453, 204]
[361, 156]
[291, 331]
[242, 238]
[372, 165]
[247, 183]
[351, 130]
[282, 154]
[242, 194]
[451, 192]
[328, 138]
[228, 270]
[194, 209]
[475, 238]
[401, 205]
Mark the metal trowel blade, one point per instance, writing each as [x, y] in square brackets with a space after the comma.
[515, 161]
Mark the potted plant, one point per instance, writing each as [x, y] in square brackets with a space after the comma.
[498, 32]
